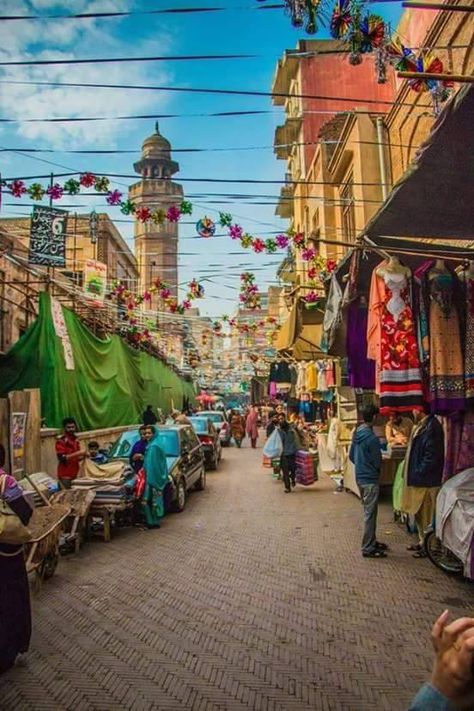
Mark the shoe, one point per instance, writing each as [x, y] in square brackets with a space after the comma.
[287, 491]
[376, 553]
[293, 482]
[381, 546]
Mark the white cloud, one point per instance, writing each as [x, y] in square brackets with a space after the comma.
[64, 39]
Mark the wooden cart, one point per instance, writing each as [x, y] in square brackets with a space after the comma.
[75, 527]
[42, 551]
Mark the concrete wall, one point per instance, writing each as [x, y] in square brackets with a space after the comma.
[104, 437]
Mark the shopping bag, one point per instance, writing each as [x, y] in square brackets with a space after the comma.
[12, 530]
[273, 446]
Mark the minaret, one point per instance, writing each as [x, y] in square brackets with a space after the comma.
[156, 246]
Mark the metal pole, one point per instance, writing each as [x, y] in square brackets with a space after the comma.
[463, 78]
[383, 167]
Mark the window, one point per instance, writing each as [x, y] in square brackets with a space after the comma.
[348, 210]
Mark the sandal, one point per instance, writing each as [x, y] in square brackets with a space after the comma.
[381, 546]
[420, 554]
[414, 547]
[376, 553]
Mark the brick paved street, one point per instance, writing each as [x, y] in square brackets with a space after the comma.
[250, 599]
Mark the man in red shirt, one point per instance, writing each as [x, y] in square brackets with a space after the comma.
[69, 453]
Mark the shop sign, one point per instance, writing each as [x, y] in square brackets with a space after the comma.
[95, 280]
[48, 237]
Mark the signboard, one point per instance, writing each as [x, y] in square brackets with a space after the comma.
[93, 224]
[48, 237]
[95, 280]
[18, 433]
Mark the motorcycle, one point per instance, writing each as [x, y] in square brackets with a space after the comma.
[448, 541]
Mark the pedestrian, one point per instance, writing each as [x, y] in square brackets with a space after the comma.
[237, 427]
[156, 479]
[95, 454]
[451, 685]
[149, 417]
[137, 455]
[291, 444]
[69, 453]
[423, 471]
[365, 453]
[272, 423]
[15, 611]
[251, 426]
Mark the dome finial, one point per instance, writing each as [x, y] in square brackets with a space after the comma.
[157, 127]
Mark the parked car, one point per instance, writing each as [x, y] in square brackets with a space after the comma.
[184, 455]
[210, 440]
[221, 423]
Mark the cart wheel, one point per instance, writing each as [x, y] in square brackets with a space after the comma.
[49, 565]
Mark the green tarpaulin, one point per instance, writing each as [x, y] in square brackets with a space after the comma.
[111, 382]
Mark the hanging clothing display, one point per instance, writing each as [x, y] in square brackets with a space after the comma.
[332, 314]
[469, 344]
[440, 333]
[361, 369]
[392, 341]
[311, 377]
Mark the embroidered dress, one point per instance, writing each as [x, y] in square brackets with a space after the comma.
[393, 342]
[469, 346]
[446, 368]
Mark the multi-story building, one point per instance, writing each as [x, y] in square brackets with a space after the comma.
[156, 245]
[324, 97]
[19, 287]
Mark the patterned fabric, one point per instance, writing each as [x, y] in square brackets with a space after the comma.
[446, 371]
[394, 343]
[469, 345]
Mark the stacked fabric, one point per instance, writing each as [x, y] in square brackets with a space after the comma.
[111, 484]
[305, 468]
[45, 483]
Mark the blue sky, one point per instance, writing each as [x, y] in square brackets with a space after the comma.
[241, 29]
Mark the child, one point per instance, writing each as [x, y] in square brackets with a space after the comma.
[94, 453]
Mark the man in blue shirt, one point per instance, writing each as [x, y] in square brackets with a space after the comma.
[366, 456]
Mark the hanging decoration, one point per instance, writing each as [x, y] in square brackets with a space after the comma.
[130, 301]
[303, 12]
[205, 227]
[56, 191]
[249, 296]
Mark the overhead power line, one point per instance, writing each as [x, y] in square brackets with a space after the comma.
[121, 60]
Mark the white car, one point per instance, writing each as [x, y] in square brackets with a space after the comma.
[220, 422]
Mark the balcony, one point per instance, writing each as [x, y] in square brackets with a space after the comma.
[286, 135]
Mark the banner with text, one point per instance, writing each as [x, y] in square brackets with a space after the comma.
[48, 237]
[95, 280]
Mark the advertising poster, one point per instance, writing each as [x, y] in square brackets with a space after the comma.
[95, 280]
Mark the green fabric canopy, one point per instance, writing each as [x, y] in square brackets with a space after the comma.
[111, 382]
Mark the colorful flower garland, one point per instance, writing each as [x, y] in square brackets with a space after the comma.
[249, 295]
[56, 191]
[131, 301]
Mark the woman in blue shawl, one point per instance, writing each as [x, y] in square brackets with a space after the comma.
[156, 473]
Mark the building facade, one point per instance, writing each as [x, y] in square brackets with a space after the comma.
[156, 246]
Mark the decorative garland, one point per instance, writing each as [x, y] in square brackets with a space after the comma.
[37, 192]
[131, 301]
[249, 295]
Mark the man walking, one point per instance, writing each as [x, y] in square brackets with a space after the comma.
[366, 456]
[291, 444]
[69, 453]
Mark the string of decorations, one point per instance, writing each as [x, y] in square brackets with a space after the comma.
[249, 294]
[366, 32]
[114, 198]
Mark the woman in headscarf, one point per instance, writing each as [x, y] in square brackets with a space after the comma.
[15, 611]
[252, 426]
[137, 455]
[156, 478]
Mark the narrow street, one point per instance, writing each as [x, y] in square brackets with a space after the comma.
[250, 599]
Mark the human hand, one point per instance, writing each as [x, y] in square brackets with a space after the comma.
[453, 670]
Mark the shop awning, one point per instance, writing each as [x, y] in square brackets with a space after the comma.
[435, 197]
[300, 335]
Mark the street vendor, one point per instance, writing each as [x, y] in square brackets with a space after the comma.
[398, 430]
[69, 453]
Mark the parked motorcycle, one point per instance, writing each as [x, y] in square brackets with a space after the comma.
[448, 542]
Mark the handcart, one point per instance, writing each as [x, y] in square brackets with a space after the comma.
[75, 527]
[42, 551]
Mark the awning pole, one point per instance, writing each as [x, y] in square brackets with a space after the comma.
[463, 78]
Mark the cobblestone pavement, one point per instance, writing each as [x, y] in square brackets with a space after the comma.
[250, 599]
